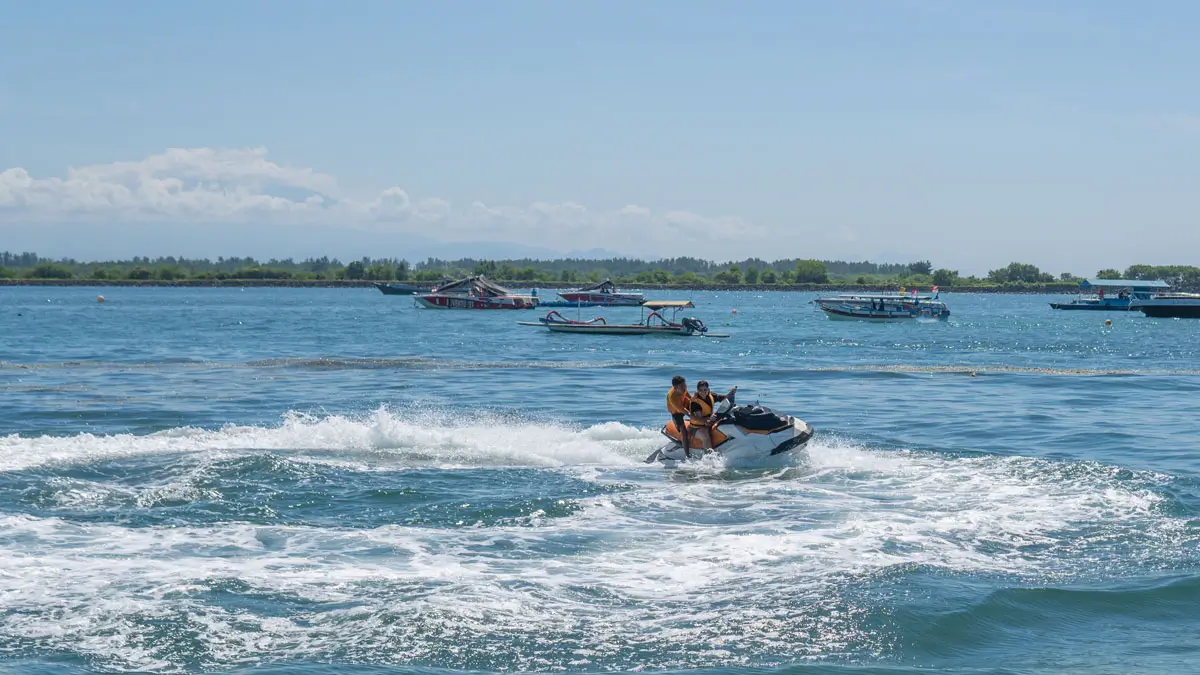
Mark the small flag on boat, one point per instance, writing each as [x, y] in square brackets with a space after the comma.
[934, 289]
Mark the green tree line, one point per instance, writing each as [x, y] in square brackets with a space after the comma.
[682, 271]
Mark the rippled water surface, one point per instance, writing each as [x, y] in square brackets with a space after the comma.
[332, 481]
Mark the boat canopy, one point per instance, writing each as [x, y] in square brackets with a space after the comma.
[667, 304]
[606, 286]
[477, 286]
[877, 296]
[1123, 283]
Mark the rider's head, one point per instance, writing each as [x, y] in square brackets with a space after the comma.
[678, 382]
[702, 387]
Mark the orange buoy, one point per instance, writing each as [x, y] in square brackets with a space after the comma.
[99, 298]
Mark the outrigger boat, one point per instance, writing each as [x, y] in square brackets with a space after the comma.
[475, 293]
[883, 307]
[1128, 292]
[650, 324]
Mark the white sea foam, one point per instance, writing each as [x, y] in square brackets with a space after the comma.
[704, 567]
[419, 439]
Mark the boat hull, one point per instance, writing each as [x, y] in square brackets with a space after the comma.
[564, 303]
[400, 289]
[1171, 311]
[845, 314]
[618, 329]
[688, 328]
[1114, 306]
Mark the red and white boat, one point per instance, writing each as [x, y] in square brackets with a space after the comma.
[474, 293]
[602, 294]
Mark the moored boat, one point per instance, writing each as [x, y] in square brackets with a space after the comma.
[883, 307]
[653, 323]
[1100, 294]
[474, 293]
[1170, 306]
[602, 294]
[394, 288]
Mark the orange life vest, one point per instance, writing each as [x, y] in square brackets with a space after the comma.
[706, 404]
[678, 403]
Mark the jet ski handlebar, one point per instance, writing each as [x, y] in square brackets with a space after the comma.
[726, 406]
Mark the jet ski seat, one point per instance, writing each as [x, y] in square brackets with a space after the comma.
[759, 418]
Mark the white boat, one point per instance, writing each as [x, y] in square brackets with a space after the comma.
[653, 323]
[602, 294]
[883, 307]
[1169, 305]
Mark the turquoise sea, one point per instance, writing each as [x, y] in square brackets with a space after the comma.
[326, 481]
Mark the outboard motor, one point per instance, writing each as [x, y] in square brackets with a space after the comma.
[695, 325]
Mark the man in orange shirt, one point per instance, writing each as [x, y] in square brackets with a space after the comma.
[678, 402]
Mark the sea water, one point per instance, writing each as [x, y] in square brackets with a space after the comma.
[320, 481]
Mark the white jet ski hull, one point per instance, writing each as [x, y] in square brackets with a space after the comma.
[742, 445]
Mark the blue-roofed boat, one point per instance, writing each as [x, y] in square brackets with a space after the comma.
[883, 307]
[1112, 294]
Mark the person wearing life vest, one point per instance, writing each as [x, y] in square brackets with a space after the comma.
[678, 400]
[702, 408]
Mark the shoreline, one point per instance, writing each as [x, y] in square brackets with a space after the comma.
[1032, 289]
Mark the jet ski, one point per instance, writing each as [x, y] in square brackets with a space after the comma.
[741, 432]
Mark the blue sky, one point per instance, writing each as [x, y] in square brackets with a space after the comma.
[972, 134]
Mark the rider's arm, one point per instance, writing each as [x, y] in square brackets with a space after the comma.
[722, 397]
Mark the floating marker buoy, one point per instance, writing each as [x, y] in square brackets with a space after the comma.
[735, 311]
[1108, 322]
[99, 298]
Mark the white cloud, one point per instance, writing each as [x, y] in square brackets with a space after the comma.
[246, 168]
[196, 182]
[390, 203]
[206, 185]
